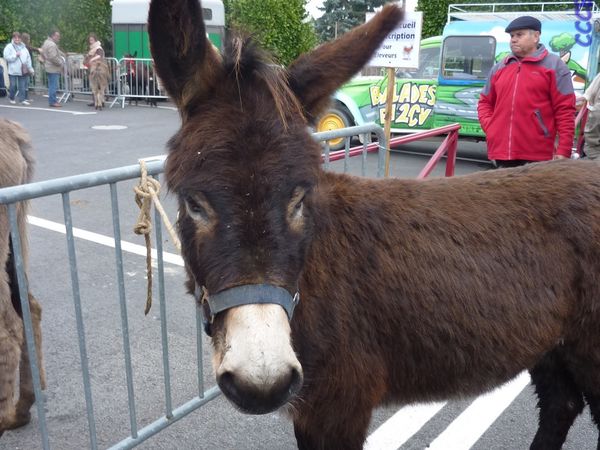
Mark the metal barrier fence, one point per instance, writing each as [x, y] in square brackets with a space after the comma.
[111, 178]
[138, 81]
[131, 79]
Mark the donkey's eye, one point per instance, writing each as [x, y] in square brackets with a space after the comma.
[195, 209]
[296, 205]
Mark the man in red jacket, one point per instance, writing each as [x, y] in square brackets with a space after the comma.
[527, 100]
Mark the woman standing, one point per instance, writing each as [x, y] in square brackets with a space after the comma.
[19, 68]
[26, 39]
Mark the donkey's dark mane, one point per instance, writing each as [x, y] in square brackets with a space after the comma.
[246, 63]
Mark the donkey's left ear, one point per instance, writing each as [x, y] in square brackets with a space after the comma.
[185, 60]
[316, 75]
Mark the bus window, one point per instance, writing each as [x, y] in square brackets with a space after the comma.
[429, 65]
[468, 57]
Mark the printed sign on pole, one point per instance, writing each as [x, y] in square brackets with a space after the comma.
[401, 47]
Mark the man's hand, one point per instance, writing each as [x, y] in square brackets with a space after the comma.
[560, 157]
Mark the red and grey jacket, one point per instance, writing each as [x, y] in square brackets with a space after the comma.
[524, 104]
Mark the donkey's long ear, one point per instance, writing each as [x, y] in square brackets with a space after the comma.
[184, 58]
[316, 75]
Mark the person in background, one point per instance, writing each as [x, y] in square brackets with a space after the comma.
[54, 61]
[527, 99]
[19, 68]
[26, 39]
[95, 53]
[591, 130]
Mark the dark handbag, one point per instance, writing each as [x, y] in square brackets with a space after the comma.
[24, 68]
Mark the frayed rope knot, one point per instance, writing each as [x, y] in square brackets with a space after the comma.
[146, 193]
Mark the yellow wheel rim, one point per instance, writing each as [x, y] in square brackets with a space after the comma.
[331, 122]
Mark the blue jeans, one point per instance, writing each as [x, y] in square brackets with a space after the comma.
[19, 83]
[53, 79]
[26, 84]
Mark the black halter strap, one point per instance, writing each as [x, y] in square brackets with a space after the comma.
[248, 294]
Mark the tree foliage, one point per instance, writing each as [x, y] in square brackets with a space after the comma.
[279, 25]
[75, 19]
[341, 15]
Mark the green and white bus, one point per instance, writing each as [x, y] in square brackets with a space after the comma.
[130, 33]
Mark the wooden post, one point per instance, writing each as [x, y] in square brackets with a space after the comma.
[389, 100]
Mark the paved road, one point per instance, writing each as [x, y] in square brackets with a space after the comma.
[67, 143]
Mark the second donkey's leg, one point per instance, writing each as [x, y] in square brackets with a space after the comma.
[10, 349]
[26, 391]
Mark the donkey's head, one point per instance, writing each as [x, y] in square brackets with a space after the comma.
[244, 168]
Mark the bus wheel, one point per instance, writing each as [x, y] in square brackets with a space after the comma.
[334, 119]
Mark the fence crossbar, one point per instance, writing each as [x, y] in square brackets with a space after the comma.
[46, 188]
[163, 422]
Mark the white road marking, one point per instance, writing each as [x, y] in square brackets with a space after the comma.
[401, 426]
[109, 127]
[461, 434]
[56, 110]
[468, 427]
[103, 240]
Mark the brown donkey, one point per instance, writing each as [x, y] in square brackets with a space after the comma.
[16, 167]
[99, 79]
[410, 291]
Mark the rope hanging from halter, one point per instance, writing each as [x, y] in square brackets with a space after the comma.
[146, 193]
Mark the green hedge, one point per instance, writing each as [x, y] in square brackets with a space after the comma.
[75, 19]
[277, 24]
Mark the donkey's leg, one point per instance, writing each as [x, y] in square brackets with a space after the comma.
[340, 426]
[559, 401]
[26, 391]
[10, 348]
[315, 438]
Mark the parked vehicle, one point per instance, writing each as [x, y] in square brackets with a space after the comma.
[472, 42]
[130, 33]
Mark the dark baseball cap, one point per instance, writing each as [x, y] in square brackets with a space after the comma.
[524, 23]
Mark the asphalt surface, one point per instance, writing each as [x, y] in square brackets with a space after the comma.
[66, 143]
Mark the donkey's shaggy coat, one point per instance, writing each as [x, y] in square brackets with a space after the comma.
[411, 291]
[16, 167]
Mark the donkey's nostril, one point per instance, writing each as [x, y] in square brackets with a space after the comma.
[296, 380]
[228, 386]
